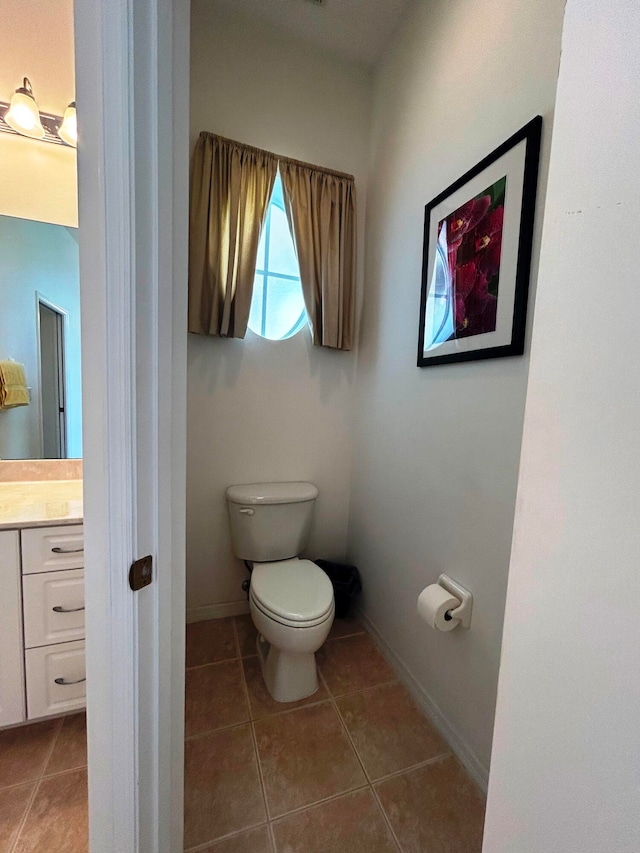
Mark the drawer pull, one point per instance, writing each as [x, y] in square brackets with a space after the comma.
[58, 550]
[59, 609]
[64, 682]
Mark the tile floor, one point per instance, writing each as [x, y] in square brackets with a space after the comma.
[356, 768]
[43, 787]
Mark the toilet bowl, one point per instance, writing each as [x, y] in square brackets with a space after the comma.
[292, 607]
[290, 599]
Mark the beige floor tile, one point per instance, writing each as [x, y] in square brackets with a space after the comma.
[257, 840]
[215, 697]
[70, 750]
[261, 701]
[305, 757]
[388, 730]
[435, 808]
[345, 627]
[24, 751]
[210, 641]
[349, 824]
[58, 818]
[246, 635]
[351, 664]
[222, 786]
[13, 802]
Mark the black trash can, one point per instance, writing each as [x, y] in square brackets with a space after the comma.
[346, 584]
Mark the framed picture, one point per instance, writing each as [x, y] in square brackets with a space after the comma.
[477, 256]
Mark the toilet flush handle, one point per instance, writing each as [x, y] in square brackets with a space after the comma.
[245, 510]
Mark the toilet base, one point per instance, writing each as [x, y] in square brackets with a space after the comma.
[288, 676]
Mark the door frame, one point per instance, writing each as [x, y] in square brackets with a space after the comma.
[132, 72]
[64, 323]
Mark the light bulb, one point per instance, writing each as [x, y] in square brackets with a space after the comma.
[68, 130]
[23, 114]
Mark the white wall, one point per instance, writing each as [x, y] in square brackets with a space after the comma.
[36, 257]
[564, 769]
[437, 453]
[259, 410]
[38, 181]
[38, 44]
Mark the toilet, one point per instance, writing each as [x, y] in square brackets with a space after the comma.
[291, 600]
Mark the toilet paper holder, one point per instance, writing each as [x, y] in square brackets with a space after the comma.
[463, 612]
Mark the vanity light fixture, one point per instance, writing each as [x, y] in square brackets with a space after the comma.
[68, 130]
[22, 116]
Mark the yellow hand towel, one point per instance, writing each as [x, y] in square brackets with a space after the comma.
[13, 385]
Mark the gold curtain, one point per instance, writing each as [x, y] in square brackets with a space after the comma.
[321, 209]
[231, 185]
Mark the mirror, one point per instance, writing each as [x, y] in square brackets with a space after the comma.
[40, 332]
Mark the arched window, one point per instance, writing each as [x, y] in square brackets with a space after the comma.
[277, 305]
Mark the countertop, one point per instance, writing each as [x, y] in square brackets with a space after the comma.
[40, 503]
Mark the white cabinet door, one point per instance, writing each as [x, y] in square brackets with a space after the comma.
[56, 679]
[53, 607]
[52, 549]
[11, 673]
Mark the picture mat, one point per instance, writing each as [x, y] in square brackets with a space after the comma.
[512, 165]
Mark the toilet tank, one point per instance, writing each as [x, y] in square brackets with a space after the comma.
[270, 521]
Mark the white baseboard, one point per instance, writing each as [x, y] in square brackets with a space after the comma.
[217, 611]
[458, 744]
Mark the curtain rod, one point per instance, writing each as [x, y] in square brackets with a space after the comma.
[279, 156]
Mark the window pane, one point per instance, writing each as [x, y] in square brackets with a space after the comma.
[282, 254]
[285, 307]
[255, 315]
[275, 296]
[277, 196]
[262, 244]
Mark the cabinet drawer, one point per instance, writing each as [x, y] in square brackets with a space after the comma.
[53, 605]
[55, 679]
[52, 549]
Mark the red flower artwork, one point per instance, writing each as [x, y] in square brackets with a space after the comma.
[474, 242]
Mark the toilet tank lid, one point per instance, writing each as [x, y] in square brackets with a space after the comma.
[272, 493]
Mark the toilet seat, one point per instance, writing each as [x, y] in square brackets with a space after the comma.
[291, 623]
[293, 592]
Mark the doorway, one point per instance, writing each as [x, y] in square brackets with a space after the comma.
[52, 322]
[134, 347]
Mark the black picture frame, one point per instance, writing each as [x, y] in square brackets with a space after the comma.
[531, 135]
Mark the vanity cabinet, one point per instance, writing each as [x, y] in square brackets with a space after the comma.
[12, 697]
[42, 665]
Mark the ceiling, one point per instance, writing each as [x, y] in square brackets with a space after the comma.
[355, 30]
[37, 42]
